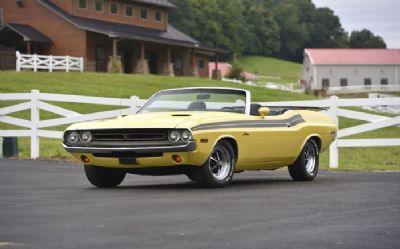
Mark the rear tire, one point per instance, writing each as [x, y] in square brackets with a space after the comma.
[305, 168]
[104, 177]
[218, 170]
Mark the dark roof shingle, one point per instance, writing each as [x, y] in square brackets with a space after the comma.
[27, 32]
[161, 3]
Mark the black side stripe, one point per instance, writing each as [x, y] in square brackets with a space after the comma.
[290, 122]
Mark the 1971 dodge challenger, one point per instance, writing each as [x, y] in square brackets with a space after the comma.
[207, 134]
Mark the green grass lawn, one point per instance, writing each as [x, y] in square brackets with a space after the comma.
[123, 86]
[288, 72]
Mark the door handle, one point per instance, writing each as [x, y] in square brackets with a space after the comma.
[246, 134]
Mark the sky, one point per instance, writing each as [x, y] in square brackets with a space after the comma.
[382, 17]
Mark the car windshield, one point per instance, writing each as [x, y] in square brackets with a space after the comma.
[215, 100]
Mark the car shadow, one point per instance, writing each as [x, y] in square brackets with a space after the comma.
[188, 185]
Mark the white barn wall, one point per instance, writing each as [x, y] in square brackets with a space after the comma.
[356, 74]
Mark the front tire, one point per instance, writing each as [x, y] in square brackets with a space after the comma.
[305, 168]
[218, 170]
[104, 177]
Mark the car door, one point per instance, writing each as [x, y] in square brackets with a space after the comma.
[273, 142]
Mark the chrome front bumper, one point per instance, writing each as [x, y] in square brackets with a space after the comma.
[190, 146]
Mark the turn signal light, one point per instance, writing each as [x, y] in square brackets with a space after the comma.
[177, 158]
[85, 159]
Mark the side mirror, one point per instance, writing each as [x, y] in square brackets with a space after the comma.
[263, 111]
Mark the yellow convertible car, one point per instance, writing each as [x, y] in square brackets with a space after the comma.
[207, 134]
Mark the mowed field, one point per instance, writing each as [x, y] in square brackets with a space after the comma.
[124, 86]
[272, 69]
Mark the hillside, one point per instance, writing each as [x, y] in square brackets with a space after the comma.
[272, 69]
[121, 85]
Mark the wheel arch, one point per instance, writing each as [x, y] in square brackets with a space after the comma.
[231, 140]
[316, 138]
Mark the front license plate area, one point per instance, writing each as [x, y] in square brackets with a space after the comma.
[127, 161]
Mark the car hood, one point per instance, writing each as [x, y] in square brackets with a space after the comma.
[160, 120]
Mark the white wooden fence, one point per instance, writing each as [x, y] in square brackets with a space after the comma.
[48, 62]
[35, 104]
[36, 126]
[375, 122]
[363, 88]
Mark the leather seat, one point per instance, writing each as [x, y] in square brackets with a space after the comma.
[254, 109]
[197, 106]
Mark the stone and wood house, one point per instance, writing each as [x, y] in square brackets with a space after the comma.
[135, 34]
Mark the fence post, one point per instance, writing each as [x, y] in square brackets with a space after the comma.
[133, 104]
[34, 124]
[81, 66]
[18, 64]
[333, 149]
[35, 62]
[50, 63]
[67, 63]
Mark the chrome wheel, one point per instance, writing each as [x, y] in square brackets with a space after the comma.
[305, 168]
[217, 170]
[220, 163]
[310, 158]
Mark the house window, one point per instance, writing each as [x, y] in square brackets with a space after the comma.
[82, 4]
[128, 10]
[384, 81]
[98, 5]
[114, 8]
[343, 82]
[201, 64]
[158, 16]
[367, 81]
[143, 13]
[325, 83]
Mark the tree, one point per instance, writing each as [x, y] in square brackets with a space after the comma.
[366, 39]
[263, 35]
[215, 23]
[236, 70]
[281, 28]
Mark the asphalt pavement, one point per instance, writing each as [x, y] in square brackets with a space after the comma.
[48, 204]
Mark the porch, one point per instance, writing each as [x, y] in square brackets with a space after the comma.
[125, 55]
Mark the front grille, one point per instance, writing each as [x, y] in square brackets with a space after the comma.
[129, 135]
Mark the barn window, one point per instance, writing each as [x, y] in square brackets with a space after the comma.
[82, 4]
[367, 81]
[128, 10]
[143, 13]
[384, 81]
[343, 82]
[158, 16]
[325, 83]
[98, 5]
[114, 8]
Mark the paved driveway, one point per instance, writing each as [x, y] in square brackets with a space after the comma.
[51, 205]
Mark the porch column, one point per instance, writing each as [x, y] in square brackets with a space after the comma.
[115, 64]
[193, 67]
[114, 47]
[28, 47]
[168, 66]
[142, 66]
[216, 73]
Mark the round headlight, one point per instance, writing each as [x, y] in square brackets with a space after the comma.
[186, 135]
[173, 136]
[86, 137]
[73, 137]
